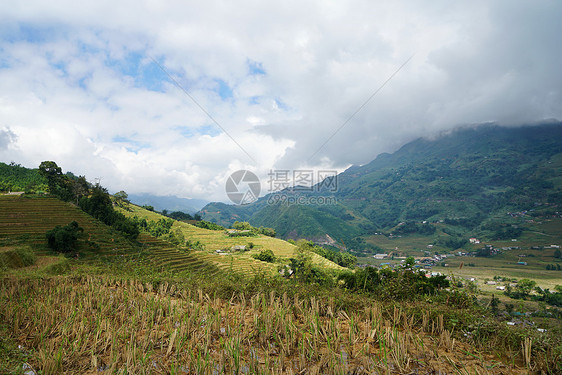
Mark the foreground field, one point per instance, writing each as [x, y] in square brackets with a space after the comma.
[94, 324]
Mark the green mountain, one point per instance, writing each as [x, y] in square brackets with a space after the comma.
[464, 179]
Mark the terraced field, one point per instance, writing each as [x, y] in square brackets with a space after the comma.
[24, 220]
[219, 240]
[167, 257]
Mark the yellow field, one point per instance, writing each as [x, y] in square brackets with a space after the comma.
[219, 240]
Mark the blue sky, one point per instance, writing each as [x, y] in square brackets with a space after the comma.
[78, 85]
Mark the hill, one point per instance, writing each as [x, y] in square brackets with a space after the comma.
[146, 306]
[216, 245]
[24, 220]
[464, 179]
[169, 203]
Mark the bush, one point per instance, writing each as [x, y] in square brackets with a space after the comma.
[389, 284]
[64, 239]
[208, 225]
[59, 268]
[245, 226]
[265, 256]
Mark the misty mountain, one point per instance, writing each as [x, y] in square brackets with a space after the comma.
[170, 203]
[464, 176]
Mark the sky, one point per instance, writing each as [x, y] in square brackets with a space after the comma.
[171, 97]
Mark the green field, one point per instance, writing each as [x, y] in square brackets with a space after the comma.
[545, 232]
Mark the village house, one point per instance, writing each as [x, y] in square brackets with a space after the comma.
[380, 256]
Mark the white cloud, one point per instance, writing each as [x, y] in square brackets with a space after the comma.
[77, 84]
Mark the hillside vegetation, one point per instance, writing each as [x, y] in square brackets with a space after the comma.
[463, 179]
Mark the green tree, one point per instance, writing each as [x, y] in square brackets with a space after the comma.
[558, 254]
[57, 183]
[64, 239]
[525, 286]
[80, 188]
[265, 256]
[409, 262]
[52, 173]
[121, 198]
[241, 225]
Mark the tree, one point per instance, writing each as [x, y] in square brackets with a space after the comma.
[52, 172]
[558, 254]
[57, 183]
[121, 198]
[64, 239]
[265, 256]
[241, 225]
[302, 263]
[410, 261]
[80, 188]
[99, 206]
[525, 286]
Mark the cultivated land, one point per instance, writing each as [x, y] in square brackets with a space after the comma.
[219, 240]
[544, 233]
[147, 307]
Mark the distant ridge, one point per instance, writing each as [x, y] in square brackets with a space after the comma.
[170, 202]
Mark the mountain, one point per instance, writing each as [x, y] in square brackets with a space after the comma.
[462, 178]
[170, 203]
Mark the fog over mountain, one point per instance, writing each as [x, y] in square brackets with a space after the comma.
[84, 85]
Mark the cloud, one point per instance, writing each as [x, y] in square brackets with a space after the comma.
[7, 137]
[79, 85]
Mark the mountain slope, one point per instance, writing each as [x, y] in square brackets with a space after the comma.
[467, 175]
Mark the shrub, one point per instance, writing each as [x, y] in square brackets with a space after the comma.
[393, 285]
[265, 256]
[208, 225]
[64, 239]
